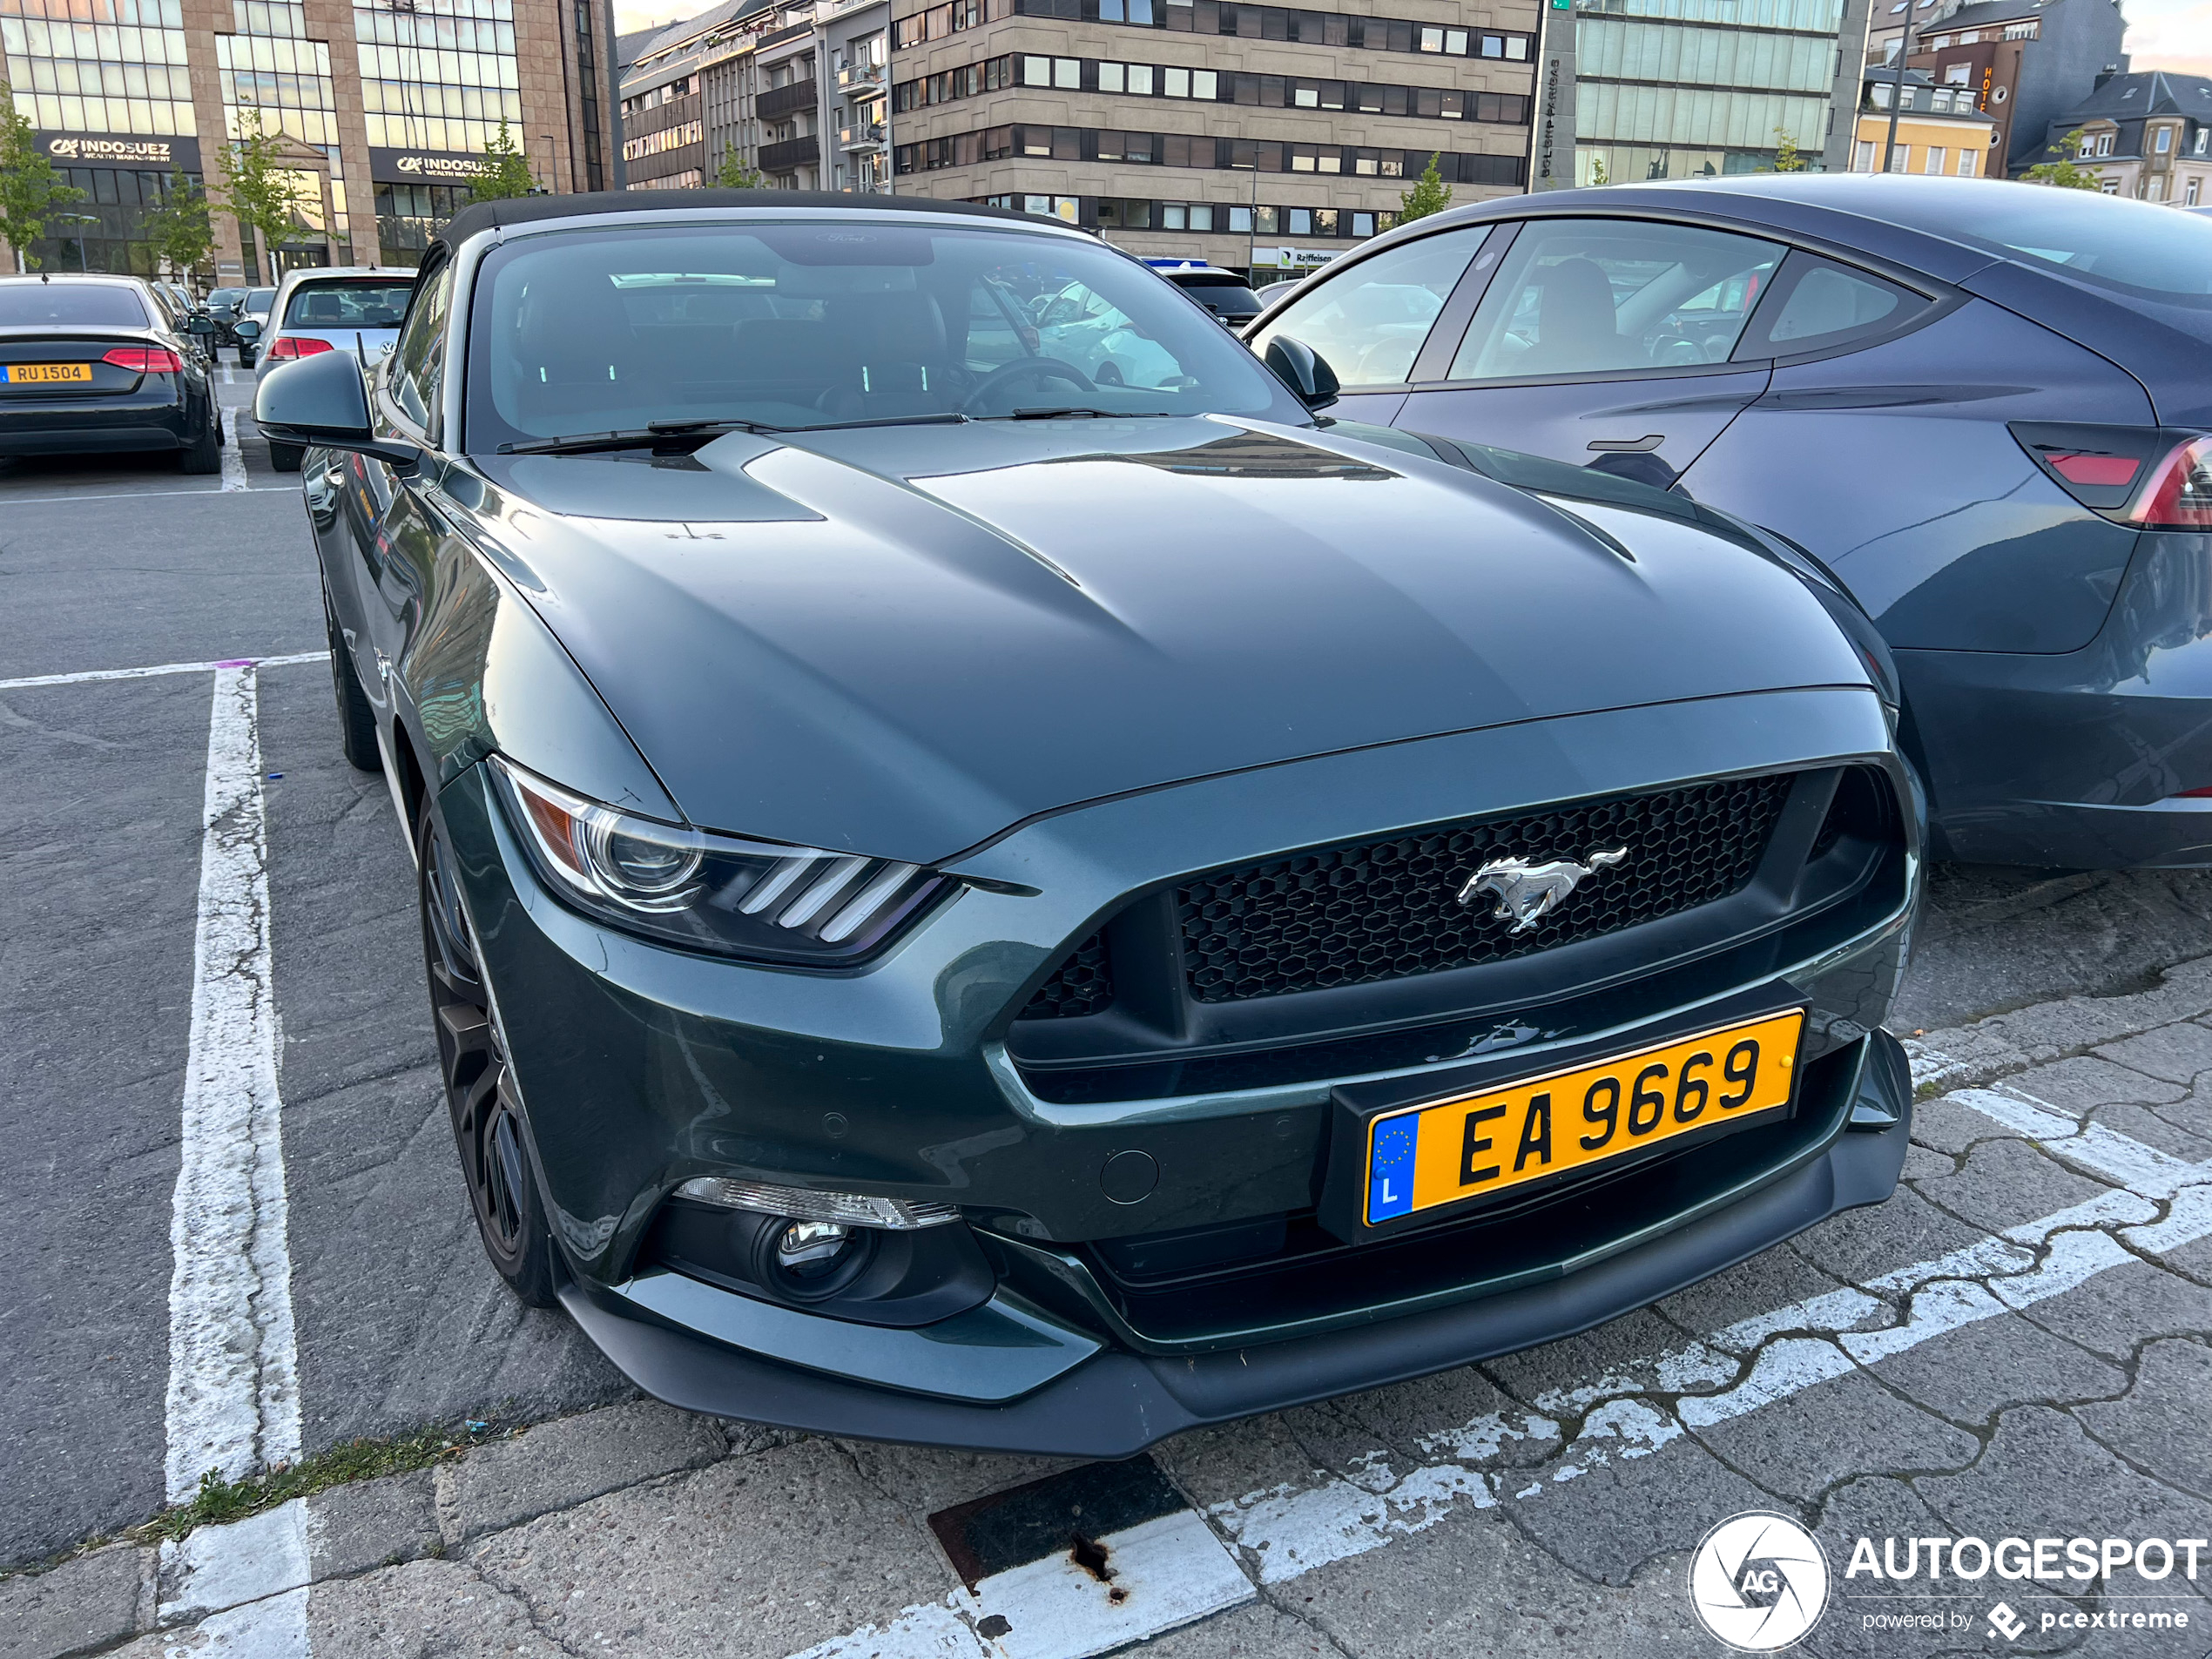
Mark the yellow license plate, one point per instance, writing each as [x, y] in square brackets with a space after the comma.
[46, 374]
[1471, 1145]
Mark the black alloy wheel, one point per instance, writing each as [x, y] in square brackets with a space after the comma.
[487, 1129]
[356, 718]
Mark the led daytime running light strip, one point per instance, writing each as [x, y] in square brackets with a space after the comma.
[798, 1203]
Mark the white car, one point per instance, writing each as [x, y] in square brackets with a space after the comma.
[345, 309]
[1080, 327]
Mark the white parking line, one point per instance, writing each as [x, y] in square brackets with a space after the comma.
[233, 462]
[1290, 1530]
[89, 674]
[234, 1403]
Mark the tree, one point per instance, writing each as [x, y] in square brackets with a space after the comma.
[1430, 194]
[2062, 171]
[735, 175]
[260, 192]
[1787, 157]
[502, 173]
[179, 228]
[29, 188]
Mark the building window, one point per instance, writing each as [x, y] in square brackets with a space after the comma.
[1958, 74]
[440, 74]
[1967, 163]
[1864, 161]
[2165, 140]
[1936, 156]
[2188, 198]
[121, 68]
[1899, 158]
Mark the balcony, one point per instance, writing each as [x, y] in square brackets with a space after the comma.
[860, 136]
[780, 101]
[790, 155]
[853, 78]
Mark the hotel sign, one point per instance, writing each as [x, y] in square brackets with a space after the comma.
[423, 166]
[119, 150]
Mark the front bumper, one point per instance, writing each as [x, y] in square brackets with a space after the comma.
[1105, 1403]
[641, 1066]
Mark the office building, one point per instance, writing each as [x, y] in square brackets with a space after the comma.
[387, 105]
[1685, 89]
[1210, 129]
[2025, 61]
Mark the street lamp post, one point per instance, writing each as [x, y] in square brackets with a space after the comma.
[1251, 222]
[79, 220]
[1897, 91]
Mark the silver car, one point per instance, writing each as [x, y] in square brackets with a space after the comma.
[342, 308]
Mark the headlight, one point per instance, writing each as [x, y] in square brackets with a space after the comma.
[714, 893]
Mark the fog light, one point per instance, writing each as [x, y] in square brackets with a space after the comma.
[810, 1249]
[800, 1203]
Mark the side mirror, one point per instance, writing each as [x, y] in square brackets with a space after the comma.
[247, 329]
[1303, 370]
[199, 323]
[319, 402]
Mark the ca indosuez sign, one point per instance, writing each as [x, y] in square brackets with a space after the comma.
[424, 166]
[119, 150]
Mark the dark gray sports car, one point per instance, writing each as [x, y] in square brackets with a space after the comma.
[969, 901]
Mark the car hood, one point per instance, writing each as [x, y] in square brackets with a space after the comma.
[902, 641]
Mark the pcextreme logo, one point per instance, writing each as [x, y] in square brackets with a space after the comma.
[1759, 1581]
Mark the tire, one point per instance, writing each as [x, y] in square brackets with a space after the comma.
[204, 455]
[356, 718]
[285, 457]
[480, 1097]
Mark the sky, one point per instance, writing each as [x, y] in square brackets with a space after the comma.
[2162, 34]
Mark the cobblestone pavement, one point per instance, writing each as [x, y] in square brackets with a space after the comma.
[2015, 1346]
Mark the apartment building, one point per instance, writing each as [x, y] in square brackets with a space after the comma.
[2148, 136]
[799, 94]
[1200, 129]
[388, 105]
[1938, 129]
[2025, 61]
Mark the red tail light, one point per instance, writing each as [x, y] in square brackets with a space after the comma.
[2099, 472]
[294, 346]
[145, 359]
[2178, 496]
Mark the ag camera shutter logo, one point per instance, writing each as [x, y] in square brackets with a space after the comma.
[1759, 1581]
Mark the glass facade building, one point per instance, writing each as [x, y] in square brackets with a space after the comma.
[385, 108]
[1680, 89]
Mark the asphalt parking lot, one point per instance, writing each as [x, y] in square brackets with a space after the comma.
[2014, 1346]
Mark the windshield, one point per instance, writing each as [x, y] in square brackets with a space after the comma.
[260, 299]
[37, 304]
[796, 324]
[367, 304]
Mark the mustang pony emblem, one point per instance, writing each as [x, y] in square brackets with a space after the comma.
[1527, 893]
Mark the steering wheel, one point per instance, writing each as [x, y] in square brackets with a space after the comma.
[1027, 368]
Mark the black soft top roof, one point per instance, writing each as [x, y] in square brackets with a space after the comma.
[479, 217]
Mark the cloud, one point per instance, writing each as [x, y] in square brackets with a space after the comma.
[2171, 34]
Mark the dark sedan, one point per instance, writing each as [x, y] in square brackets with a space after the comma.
[95, 365]
[966, 904]
[1984, 406]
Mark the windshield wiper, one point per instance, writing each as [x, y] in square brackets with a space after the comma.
[652, 433]
[674, 432]
[1077, 412]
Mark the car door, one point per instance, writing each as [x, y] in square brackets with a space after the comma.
[1372, 318]
[392, 537]
[1603, 341]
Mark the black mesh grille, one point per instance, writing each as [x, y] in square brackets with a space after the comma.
[1084, 985]
[1388, 909]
